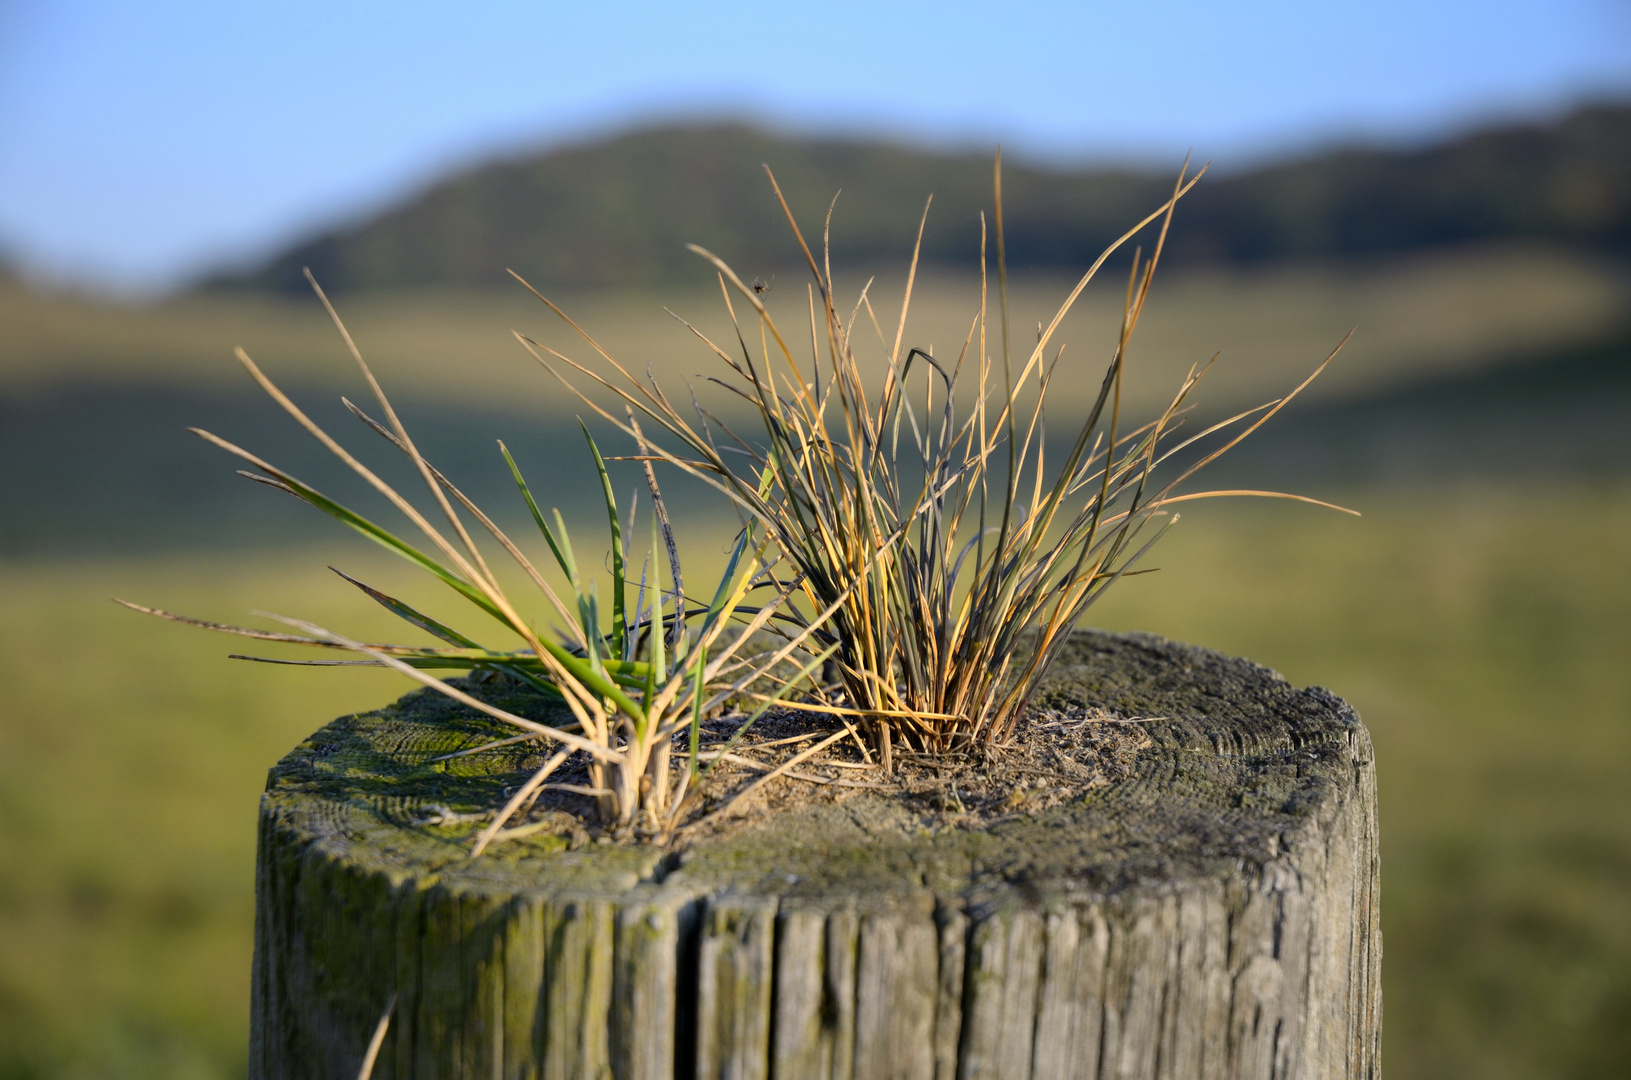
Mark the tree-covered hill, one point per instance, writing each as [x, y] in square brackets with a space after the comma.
[621, 210]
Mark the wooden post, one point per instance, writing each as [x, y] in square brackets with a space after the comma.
[1213, 915]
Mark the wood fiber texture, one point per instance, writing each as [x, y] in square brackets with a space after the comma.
[1215, 914]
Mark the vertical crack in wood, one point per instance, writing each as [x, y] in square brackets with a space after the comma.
[953, 926]
[646, 988]
[733, 992]
[578, 954]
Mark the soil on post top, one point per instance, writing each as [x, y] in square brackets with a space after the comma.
[1057, 753]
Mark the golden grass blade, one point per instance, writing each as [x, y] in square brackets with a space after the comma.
[286, 482]
[706, 476]
[484, 747]
[752, 298]
[660, 509]
[822, 283]
[1092, 270]
[227, 628]
[581, 332]
[401, 431]
[1266, 417]
[1169, 500]
[366, 1070]
[402, 504]
[911, 278]
[838, 710]
[487, 523]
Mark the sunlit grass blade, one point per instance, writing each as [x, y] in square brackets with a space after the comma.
[411, 615]
[557, 545]
[522, 794]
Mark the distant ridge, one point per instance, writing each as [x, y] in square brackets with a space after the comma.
[620, 210]
[106, 451]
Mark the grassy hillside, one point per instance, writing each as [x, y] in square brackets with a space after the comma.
[620, 210]
[1481, 633]
[95, 398]
[1415, 314]
[1560, 414]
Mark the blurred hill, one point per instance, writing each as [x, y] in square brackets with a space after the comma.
[117, 452]
[620, 210]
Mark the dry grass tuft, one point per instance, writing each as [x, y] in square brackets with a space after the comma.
[921, 513]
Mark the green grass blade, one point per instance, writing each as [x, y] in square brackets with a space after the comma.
[312, 497]
[619, 614]
[565, 539]
[696, 708]
[562, 551]
[591, 618]
[411, 615]
[722, 593]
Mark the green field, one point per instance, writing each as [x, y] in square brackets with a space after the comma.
[1478, 615]
[1482, 633]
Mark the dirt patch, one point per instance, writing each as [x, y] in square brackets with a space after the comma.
[1054, 756]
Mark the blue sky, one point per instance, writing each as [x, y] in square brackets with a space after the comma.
[144, 141]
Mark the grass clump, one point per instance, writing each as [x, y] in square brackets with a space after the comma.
[949, 556]
[934, 560]
[661, 666]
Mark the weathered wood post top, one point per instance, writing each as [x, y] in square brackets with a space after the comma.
[1214, 913]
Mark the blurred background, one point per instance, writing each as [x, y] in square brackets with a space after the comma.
[1451, 180]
